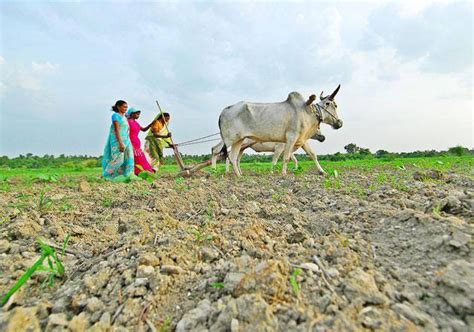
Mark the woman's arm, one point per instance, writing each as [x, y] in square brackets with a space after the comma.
[147, 127]
[119, 138]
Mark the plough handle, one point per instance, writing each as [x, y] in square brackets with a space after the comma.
[177, 155]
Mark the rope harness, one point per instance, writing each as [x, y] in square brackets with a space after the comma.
[319, 113]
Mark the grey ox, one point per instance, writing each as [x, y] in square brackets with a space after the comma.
[292, 122]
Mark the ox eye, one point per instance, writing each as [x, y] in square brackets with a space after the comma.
[327, 104]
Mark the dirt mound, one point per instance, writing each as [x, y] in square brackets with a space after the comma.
[260, 253]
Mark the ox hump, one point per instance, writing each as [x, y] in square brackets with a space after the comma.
[295, 99]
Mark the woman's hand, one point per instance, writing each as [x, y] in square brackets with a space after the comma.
[122, 147]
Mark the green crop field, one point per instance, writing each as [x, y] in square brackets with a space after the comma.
[464, 164]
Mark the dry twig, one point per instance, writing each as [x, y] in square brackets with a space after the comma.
[325, 274]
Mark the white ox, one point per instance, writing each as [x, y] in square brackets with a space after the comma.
[292, 122]
[276, 148]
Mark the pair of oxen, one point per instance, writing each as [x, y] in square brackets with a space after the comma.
[275, 127]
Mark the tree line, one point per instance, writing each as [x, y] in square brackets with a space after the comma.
[353, 151]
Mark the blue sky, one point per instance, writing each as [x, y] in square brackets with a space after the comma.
[406, 68]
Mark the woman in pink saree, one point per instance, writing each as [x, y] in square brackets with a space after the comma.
[141, 163]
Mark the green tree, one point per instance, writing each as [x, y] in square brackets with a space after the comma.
[459, 151]
[382, 153]
[351, 148]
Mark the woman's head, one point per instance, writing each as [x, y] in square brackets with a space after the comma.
[133, 113]
[164, 117]
[120, 106]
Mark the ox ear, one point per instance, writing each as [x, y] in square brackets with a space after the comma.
[310, 100]
[331, 97]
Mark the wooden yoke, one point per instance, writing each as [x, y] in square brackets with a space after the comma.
[177, 155]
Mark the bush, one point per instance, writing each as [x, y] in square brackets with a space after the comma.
[69, 164]
[90, 163]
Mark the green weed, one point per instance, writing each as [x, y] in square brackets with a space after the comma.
[166, 326]
[398, 183]
[126, 179]
[18, 205]
[180, 184]
[382, 178]
[217, 284]
[332, 183]
[294, 282]
[437, 209]
[65, 206]
[211, 206]
[47, 178]
[44, 202]
[4, 220]
[55, 268]
[300, 170]
[148, 177]
[277, 196]
[201, 236]
[107, 202]
[344, 240]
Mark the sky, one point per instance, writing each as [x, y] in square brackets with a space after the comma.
[405, 69]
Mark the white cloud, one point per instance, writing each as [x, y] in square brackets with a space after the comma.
[440, 34]
[28, 84]
[41, 68]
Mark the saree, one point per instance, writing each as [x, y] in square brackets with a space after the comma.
[154, 146]
[115, 162]
[141, 163]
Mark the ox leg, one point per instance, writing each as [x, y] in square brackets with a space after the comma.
[289, 148]
[234, 156]
[214, 161]
[276, 154]
[294, 160]
[307, 148]
[238, 159]
[227, 165]
[216, 150]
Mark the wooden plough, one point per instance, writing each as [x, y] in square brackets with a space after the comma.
[187, 171]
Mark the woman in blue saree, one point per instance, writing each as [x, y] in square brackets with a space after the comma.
[118, 152]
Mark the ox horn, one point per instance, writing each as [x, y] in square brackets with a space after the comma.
[321, 96]
[331, 97]
[310, 100]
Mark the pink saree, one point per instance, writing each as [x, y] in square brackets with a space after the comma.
[141, 163]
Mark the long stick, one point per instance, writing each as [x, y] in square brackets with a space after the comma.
[177, 156]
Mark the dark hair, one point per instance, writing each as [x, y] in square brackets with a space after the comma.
[163, 115]
[118, 103]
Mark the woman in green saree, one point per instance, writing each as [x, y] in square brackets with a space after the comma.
[158, 139]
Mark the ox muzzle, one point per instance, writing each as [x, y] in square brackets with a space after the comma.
[320, 138]
[337, 125]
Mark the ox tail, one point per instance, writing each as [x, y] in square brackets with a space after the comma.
[224, 148]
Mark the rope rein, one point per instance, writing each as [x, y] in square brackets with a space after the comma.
[209, 140]
[199, 139]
